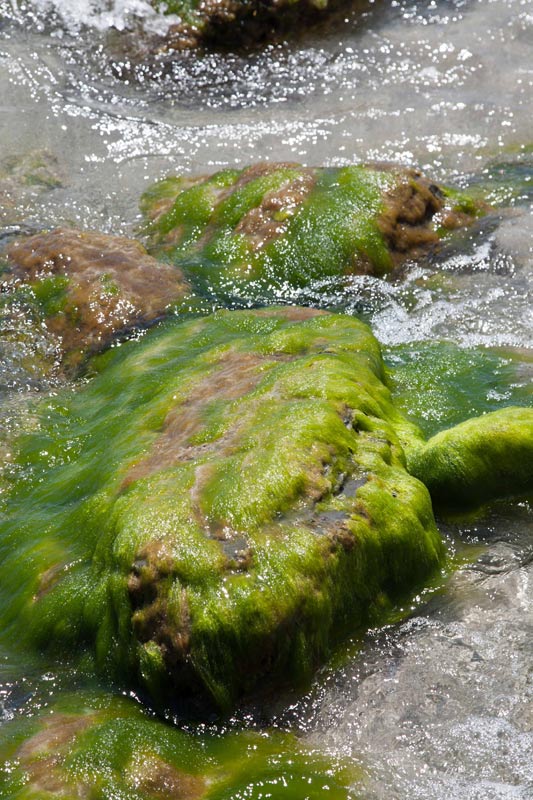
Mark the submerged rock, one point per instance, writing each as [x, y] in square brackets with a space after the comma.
[92, 745]
[23, 177]
[88, 287]
[253, 231]
[507, 180]
[222, 503]
[228, 497]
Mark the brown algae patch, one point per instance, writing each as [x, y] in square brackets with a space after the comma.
[406, 219]
[42, 755]
[235, 374]
[91, 286]
[148, 584]
[162, 781]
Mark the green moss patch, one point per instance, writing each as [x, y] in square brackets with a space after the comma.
[100, 746]
[479, 460]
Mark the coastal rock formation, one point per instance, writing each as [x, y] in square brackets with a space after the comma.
[230, 496]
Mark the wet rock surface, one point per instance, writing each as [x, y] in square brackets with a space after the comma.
[95, 745]
[88, 287]
[250, 233]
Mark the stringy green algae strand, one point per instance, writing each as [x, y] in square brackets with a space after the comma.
[222, 503]
[93, 745]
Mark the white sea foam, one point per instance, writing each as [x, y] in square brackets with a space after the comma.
[105, 14]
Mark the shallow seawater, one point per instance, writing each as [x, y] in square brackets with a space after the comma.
[439, 703]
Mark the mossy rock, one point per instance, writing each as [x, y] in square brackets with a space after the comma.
[254, 232]
[99, 746]
[479, 460]
[218, 507]
[88, 287]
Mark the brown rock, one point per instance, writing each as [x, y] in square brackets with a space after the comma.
[111, 285]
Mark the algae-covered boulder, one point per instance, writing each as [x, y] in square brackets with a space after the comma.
[251, 232]
[88, 287]
[230, 23]
[217, 507]
[479, 460]
[91, 745]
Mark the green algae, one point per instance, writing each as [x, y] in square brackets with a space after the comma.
[100, 746]
[221, 504]
[45, 298]
[438, 384]
[479, 460]
[466, 464]
[251, 232]
[471, 204]
[187, 10]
